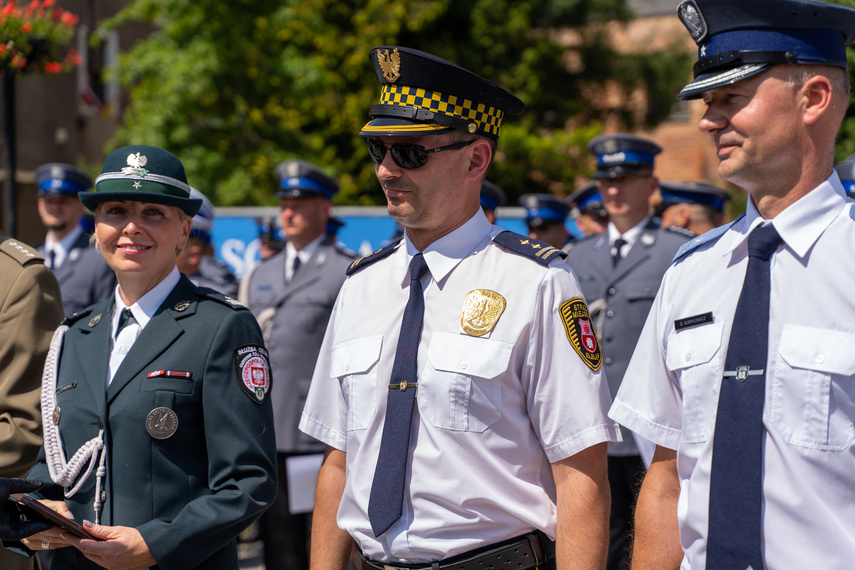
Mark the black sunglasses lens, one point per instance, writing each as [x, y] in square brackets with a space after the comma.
[376, 150]
[409, 155]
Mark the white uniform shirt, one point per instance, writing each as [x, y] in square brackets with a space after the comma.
[143, 310]
[630, 236]
[670, 391]
[492, 412]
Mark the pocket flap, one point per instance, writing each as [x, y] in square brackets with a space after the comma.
[694, 346]
[355, 356]
[824, 350]
[469, 355]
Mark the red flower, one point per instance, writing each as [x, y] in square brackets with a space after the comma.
[53, 67]
[69, 19]
[48, 3]
[8, 9]
[27, 27]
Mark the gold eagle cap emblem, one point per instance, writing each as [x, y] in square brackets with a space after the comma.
[481, 310]
[390, 64]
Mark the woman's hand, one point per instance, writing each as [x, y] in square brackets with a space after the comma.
[50, 539]
[122, 547]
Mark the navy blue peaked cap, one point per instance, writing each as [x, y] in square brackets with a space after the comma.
[491, 196]
[693, 193]
[421, 94]
[738, 39]
[301, 179]
[542, 209]
[621, 154]
[57, 179]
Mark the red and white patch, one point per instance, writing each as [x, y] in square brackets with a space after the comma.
[252, 364]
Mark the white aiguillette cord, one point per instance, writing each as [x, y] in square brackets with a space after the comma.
[64, 472]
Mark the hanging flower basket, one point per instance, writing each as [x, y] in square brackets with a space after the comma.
[34, 37]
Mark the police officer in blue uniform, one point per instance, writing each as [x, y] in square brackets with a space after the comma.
[197, 260]
[846, 171]
[83, 276]
[545, 216]
[292, 294]
[620, 271]
[491, 198]
[157, 425]
[693, 206]
[587, 207]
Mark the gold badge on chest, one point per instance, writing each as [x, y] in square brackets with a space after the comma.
[481, 310]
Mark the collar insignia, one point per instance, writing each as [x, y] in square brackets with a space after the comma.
[181, 306]
[95, 320]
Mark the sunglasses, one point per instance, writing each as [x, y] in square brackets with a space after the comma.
[408, 155]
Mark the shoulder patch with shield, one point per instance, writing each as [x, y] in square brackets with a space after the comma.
[580, 332]
[252, 365]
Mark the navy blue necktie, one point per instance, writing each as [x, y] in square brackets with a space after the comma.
[618, 244]
[387, 490]
[734, 534]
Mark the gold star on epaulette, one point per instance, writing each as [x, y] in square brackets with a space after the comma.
[524, 242]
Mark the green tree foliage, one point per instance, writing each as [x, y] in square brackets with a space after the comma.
[233, 88]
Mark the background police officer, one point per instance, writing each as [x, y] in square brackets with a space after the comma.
[197, 260]
[693, 206]
[292, 294]
[619, 271]
[83, 275]
[545, 216]
[587, 204]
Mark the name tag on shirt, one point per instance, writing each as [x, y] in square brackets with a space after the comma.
[694, 321]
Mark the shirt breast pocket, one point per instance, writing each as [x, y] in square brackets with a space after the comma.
[354, 363]
[813, 391]
[695, 356]
[460, 387]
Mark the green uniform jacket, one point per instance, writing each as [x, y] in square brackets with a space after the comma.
[192, 493]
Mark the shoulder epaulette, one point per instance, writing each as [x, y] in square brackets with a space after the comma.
[220, 298]
[539, 251]
[20, 252]
[680, 231]
[712, 235]
[71, 319]
[371, 257]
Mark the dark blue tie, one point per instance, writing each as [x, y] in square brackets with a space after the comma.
[733, 541]
[387, 489]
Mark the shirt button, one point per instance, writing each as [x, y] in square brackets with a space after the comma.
[688, 357]
[123, 350]
[347, 367]
[612, 290]
[608, 360]
[464, 365]
[610, 314]
[820, 358]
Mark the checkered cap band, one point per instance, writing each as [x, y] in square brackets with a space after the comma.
[488, 119]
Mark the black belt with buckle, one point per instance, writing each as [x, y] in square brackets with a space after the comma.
[529, 551]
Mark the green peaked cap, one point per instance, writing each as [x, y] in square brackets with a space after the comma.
[142, 174]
